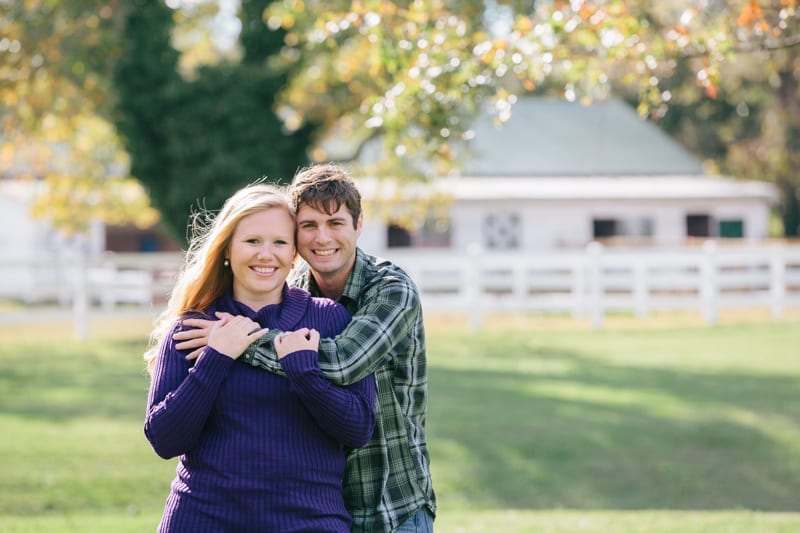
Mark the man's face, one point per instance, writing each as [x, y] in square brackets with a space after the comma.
[327, 242]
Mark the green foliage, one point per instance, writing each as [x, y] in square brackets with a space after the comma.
[413, 74]
[56, 60]
[751, 129]
[196, 141]
[409, 75]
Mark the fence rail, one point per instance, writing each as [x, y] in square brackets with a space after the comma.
[585, 283]
[597, 280]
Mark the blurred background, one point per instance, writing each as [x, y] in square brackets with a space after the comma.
[537, 156]
[597, 199]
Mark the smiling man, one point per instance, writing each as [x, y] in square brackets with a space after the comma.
[387, 485]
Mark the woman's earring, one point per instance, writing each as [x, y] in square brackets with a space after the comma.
[226, 263]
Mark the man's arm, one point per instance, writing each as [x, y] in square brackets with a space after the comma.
[262, 353]
[384, 322]
[195, 338]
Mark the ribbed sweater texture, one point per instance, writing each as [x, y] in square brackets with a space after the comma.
[258, 452]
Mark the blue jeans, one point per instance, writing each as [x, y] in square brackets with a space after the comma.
[420, 522]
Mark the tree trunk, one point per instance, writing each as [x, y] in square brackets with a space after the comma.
[788, 182]
[790, 208]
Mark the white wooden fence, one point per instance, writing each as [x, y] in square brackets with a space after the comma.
[597, 280]
[584, 283]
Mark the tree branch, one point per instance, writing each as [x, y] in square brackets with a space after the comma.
[751, 48]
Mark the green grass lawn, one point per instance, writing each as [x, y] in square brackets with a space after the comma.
[534, 426]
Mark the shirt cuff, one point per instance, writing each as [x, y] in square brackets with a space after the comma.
[300, 362]
[212, 366]
[248, 355]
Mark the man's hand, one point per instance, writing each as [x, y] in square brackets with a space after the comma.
[197, 338]
[293, 341]
[232, 336]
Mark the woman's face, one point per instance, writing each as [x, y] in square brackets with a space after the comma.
[261, 254]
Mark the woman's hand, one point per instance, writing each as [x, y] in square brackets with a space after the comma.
[294, 341]
[232, 336]
[196, 337]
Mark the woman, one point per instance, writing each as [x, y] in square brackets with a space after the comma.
[258, 451]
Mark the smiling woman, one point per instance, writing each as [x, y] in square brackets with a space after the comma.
[242, 435]
[261, 255]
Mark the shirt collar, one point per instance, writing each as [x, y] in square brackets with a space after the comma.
[355, 281]
[352, 287]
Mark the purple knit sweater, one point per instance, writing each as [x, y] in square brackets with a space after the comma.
[258, 451]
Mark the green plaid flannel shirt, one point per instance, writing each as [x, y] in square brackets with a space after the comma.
[388, 480]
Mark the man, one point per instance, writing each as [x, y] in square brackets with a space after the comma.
[387, 484]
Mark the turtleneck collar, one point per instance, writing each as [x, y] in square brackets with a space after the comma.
[285, 316]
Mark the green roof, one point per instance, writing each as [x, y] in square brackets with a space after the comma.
[553, 137]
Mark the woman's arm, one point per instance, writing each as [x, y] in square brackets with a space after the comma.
[181, 397]
[345, 413]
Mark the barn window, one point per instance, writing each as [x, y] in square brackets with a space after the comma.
[502, 231]
[434, 233]
[698, 226]
[604, 227]
[398, 236]
[731, 229]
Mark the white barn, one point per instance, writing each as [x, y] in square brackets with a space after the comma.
[559, 175]
[33, 252]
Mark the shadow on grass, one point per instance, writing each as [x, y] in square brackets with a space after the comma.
[552, 428]
[600, 436]
[73, 381]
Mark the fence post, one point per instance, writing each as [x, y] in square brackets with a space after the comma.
[594, 250]
[519, 280]
[777, 279]
[579, 266]
[640, 291]
[473, 288]
[709, 289]
[80, 297]
[64, 281]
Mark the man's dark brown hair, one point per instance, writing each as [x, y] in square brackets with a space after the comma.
[325, 187]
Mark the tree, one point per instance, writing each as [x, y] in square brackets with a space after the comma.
[407, 75]
[749, 129]
[752, 125]
[58, 62]
[195, 141]
[412, 74]
[55, 62]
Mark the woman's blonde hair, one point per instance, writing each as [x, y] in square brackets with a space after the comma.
[203, 277]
